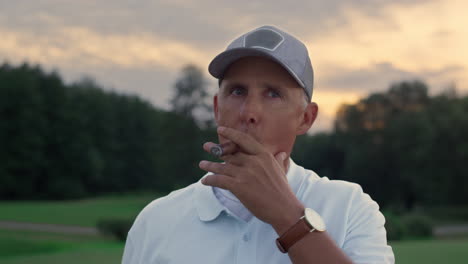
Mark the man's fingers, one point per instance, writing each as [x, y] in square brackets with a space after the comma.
[218, 180]
[219, 150]
[208, 145]
[238, 158]
[247, 143]
[217, 168]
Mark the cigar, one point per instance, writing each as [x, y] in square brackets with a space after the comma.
[224, 149]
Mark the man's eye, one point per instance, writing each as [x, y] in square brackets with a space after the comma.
[237, 91]
[274, 94]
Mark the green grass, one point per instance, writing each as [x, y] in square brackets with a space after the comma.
[38, 247]
[78, 256]
[431, 251]
[84, 212]
[21, 247]
[16, 247]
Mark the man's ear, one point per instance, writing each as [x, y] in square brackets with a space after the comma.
[215, 107]
[308, 118]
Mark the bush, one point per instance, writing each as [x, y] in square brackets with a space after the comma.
[410, 225]
[117, 228]
[395, 228]
[417, 225]
[448, 213]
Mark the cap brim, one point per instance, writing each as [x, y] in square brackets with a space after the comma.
[220, 63]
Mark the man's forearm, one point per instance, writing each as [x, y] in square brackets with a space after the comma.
[315, 247]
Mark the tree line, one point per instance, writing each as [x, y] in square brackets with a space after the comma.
[63, 141]
[404, 147]
[60, 141]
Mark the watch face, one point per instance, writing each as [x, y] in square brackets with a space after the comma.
[314, 220]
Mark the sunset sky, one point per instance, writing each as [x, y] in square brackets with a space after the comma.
[139, 47]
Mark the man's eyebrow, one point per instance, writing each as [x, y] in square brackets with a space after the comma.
[272, 86]
[235, 84]
[267, 85]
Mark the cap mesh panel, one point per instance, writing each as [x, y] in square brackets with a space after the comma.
[263, 38]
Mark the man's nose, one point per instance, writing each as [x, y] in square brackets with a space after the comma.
[251, 110]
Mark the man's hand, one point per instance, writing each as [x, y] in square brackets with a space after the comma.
[256, 178]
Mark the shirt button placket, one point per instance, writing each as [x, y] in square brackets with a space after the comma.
[246, 248]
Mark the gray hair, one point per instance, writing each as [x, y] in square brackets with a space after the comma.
[306, 98]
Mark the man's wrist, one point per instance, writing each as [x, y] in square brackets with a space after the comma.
[289, 218]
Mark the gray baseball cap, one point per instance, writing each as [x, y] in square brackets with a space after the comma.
[273, 43]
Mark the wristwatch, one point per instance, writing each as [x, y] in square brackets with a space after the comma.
[309, 222]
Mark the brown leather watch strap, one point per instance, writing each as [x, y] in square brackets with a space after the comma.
[293, 234]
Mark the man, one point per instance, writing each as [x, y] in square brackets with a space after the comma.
[258, 206]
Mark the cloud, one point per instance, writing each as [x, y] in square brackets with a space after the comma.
[378, 77]
[207, 24]
[408, 37]
[153, 84]
[76, 45]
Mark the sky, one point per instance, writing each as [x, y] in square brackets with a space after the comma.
[140, 47]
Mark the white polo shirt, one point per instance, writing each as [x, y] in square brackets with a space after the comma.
[190, 225]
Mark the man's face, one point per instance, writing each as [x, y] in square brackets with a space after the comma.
[259, 97]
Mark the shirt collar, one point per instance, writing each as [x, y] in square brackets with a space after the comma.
[207, 205]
